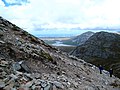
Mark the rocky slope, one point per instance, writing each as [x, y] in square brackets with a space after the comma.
[101, 48]
[80, 39]
[27, 63]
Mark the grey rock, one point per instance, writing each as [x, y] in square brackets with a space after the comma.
[37, 82]
[2, 84]
[33, 87]
[13, 89]
[2, 42]
[58, 84]
[29, 84]
[3, 63]
[25, 67]
[1, 70]
[28, 76]
[37, 88]
[16, 66]
[43, 83]
[13, 76]
[36, 75]
[47, 87]
[54, 87]
[89, 88]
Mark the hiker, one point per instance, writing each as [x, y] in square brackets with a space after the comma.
[100, 68]
[111, 72]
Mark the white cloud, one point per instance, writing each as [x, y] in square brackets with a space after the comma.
[63, 13]
[15, 1]
[1, 3]
[12, 1]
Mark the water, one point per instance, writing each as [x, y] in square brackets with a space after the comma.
[54, 35]
[59, 43]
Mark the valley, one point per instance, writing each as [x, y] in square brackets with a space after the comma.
[28, 63]
[93, 50]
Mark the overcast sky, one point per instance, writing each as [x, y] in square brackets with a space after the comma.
[35, 14]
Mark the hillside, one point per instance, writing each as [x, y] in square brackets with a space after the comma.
[78, 40]
[27, 63]
[101, 48]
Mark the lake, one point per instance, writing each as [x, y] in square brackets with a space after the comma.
[59, 43]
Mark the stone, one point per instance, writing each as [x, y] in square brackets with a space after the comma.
[58, 84]
[33, 87]
[47, 87]
[13, 89]
[54, 87]
[13, 76]
[2, 42]
[37, 82]
[9, 86]
[1, 70]
[24, 88]
[25, 67]
[28, 75]
[2, 85]
[3, 63]
[38, 88]
[6, 79]
[43, 84]
[16, 66]
[18, 73]
[36, 75]
[89, 88]
[29, 84]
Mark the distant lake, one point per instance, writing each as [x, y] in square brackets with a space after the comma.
[59, 43]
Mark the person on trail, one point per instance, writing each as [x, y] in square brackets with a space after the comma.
[111, 72]
[100, 68]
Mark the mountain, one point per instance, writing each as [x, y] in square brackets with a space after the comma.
[80, 39]
[101, 48]
[27, 63]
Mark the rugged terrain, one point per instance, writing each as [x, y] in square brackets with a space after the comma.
[27, 63]
[78, 40]
[101, 48]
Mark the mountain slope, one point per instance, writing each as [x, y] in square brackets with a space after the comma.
[26, 63]
[80, 39]
[101, 48]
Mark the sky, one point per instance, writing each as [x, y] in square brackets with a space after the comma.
[61, 16]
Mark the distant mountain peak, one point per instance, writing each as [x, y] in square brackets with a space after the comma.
[28, 63]
[101, 48]
[80, 39]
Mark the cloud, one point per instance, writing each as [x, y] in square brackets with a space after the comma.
[14, 2]
[1, 4]
[62, 13]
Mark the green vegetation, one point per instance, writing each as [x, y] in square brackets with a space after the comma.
[34, 39]
[46, 56]
[50, 41]
[66, 49]
[107, 64]
[15, 28]
[69, 42]
[115, 84]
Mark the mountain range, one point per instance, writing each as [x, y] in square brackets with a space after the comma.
[102, 48]
[28, 63]
[78, 40]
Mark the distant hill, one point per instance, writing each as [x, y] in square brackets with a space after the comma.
[28, 63]
[101, 48]
[80, 39]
